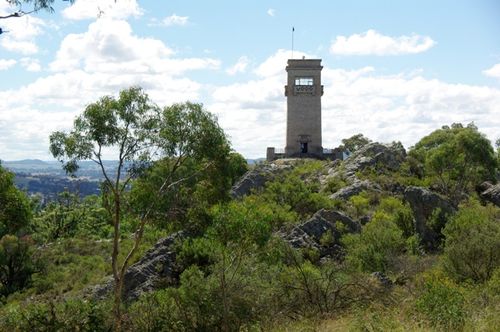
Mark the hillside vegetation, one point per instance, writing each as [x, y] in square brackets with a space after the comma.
[388, 239]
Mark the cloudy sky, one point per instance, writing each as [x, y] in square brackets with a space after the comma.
[393, 70]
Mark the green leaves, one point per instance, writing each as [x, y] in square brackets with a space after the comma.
[188, 130]
[472, 247]
[454, 159]
[15, 211]
[125, 124]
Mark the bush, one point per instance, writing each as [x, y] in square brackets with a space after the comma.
[442, 303]
[16, 264]
[68, 315]
[297, 194]
[400, 213]
[374, 249]
[15, 210]
[472, 245]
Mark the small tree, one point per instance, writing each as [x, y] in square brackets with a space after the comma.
[139, 133]
[355, 142]
[472, 246]
[15, 211]
[125, 126]
[454, 159]
[16, 264]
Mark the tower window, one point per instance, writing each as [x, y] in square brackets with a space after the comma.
[304, 81]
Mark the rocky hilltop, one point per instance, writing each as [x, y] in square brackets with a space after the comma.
[370, 171]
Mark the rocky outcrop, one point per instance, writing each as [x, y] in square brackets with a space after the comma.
[431, 212]
[354, 189]
[380, 156]
[256, 178]
[490, 192]
[157, 264]
[314, 232]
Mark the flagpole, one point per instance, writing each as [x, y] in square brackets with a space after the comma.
[293, 30]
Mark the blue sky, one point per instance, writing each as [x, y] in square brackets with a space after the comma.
[393, 70]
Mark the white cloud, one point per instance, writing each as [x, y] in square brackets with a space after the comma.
[109, 46]
[372, 42]
[239, 67]
[276, 63]
[31, 64]
[7, 63]
[493, 71]
[103, 60]
[173, 20]
[21, 31]
[271, 12]
[92, 9]
[403, 107]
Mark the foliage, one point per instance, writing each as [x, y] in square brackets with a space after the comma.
[209, 186]
[455, 159]
[306, 289]
[16, 264]
[15, 210]
[334, 184]
[360, 204]
[400, 213]
[442, 303]
[355, 142]
[126, 125]
[472, 246]
[181, 134]
[67, 315]
[297, 195]
[378, 244]
[69, 216]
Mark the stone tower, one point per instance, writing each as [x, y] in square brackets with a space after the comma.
[303, 123]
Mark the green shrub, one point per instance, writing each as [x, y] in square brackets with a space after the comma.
[297, 194]
[360, 204]
[68, 315]
[374, 249]
[442, 303]
[334, 184]
[15, 210]
[472, 245]
[16, 264]
[400, 213]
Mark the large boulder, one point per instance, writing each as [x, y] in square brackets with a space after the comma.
[309, 234]
[386, 156]
[157, 265]
[354, 189]
[256, 178]
[490, 192]
[431, 212]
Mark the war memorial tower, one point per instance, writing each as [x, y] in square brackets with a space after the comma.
[303, 118]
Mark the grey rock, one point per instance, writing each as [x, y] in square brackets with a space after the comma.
[387, 156]
[256, 178]
[423, 203]
[157, 264]
[309, 233]
[490, 192]
[354, 189]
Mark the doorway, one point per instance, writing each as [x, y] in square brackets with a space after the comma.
[303, 147]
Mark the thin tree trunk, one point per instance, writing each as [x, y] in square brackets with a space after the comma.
[114, 263]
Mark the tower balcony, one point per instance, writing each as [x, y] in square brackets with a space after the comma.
[305, 90]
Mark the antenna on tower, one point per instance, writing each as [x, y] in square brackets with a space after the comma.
[293, 30]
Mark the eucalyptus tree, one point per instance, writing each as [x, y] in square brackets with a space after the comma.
[125, 125]
[141, 136]
[454, 159]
